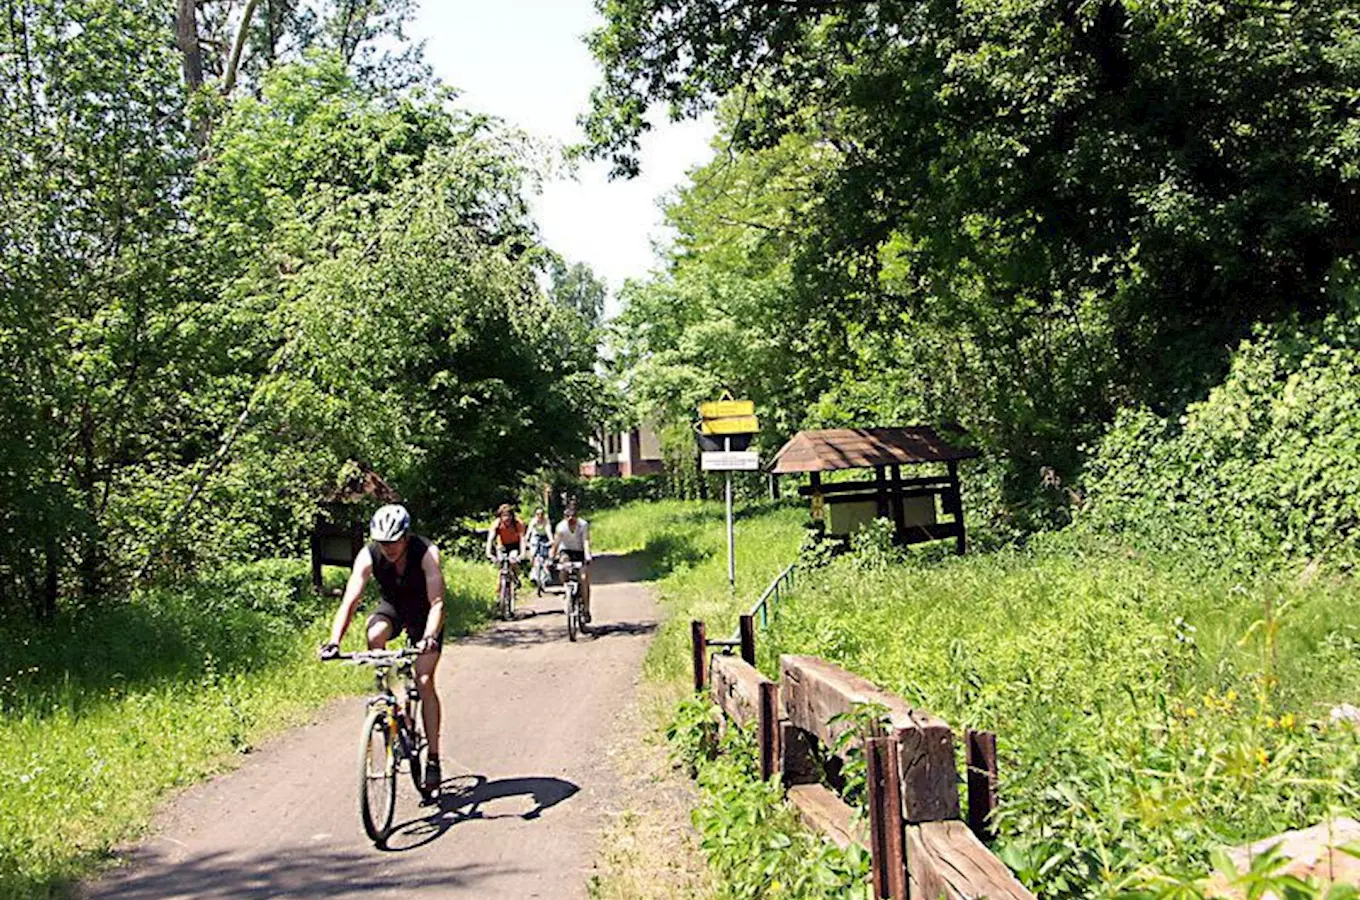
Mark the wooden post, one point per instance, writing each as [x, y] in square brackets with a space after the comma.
[980, 761]
[796, 765]
[768, 734]
[316, 557]
[886, 834]
[748, 639]
[899, 512]
[774, 486]
[956, 501]
[881, 492]
[699, 639]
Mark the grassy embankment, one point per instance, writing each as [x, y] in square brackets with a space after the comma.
[1149, 708]
[113, 706]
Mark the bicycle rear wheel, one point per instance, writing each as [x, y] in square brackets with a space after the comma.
[377, 776]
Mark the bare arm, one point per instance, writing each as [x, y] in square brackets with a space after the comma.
[491, 541]
[354, 591]
[585, 539]
[434, 589]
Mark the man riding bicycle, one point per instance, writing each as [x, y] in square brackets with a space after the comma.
[508, 531]
[411, 585]
[572, 539]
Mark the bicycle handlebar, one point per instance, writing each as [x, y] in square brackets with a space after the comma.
[379, 657]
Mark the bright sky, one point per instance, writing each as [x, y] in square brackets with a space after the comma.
[524, 61]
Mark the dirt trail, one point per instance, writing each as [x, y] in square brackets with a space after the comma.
[527, 723]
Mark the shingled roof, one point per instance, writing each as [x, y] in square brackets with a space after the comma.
[857, 448]
[362, 483]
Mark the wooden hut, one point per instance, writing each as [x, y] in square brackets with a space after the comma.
[339, 532]
[927, 508]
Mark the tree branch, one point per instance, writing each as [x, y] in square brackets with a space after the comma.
[229, 80]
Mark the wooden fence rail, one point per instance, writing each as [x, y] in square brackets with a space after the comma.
[918, 844]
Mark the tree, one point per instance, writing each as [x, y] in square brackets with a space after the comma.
[1060, 208]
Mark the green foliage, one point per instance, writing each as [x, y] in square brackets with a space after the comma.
[112, 706]
[1148, 710]
[205, 341]
[1021, 217]
[1262, 472]
[751, 837]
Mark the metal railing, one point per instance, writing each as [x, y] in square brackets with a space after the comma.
[769, 601]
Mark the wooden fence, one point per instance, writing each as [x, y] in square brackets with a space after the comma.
[919, 845]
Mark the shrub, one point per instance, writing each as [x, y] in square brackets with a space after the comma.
[1266, 470]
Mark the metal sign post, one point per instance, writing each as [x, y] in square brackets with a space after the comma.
[729, 419]
[731, 536]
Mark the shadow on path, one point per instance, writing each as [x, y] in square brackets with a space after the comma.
[462, 799]
[285, 871]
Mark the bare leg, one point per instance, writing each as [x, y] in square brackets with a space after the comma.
[379, 632]
[429, 699]
[585, 591]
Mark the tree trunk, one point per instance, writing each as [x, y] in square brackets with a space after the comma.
[186, 36]
[47, 610]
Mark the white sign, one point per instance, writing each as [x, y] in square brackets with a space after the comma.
[729, 460]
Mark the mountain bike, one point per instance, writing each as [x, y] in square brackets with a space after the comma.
[392, 739]
[507, 586]
[571, 582]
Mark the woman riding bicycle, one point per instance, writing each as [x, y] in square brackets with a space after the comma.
[507, 531]
[540, 536]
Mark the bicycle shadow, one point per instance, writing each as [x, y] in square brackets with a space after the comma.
[462, 797]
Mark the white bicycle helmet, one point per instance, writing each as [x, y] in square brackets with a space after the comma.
[389, 523]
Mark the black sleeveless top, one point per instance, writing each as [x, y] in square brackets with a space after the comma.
[404, 590]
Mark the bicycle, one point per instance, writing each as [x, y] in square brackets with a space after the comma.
[505, 590]
[392, 737]
[571, 582]
[541, 570]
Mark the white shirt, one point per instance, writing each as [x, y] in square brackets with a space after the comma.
[573, 540]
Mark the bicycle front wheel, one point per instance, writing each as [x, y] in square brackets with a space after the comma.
[573, 613]
[377, 776]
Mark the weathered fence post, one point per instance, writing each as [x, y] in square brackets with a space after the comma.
[768, 723]
[748, 639]
[980, 760]
[699, 638]
[886, 835]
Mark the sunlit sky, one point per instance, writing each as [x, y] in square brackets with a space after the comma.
[524, 61]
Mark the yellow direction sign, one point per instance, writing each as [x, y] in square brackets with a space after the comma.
[734, 425]
[722, 417]
[722, 409]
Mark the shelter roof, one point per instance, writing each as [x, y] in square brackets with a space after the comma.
[362, 482]
[856, 448]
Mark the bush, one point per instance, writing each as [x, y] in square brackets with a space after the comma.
[1266, 470]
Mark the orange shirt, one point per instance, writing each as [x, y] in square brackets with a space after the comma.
[509, 534]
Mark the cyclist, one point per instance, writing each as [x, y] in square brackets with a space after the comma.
[508, 531]
[540, 536]
[411, 583]
[572, 538]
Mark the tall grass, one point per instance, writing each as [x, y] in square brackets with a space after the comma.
[685, 546]
[113, 706]
[1148, 709]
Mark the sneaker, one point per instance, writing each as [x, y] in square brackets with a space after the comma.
[433, 777]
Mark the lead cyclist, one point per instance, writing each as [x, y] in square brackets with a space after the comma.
[411, 583]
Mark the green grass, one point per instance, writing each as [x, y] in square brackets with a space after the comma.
[684, 543]
[113, 706]
[1149, 709]
[1143, 718]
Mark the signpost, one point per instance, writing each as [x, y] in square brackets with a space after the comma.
[732, 422]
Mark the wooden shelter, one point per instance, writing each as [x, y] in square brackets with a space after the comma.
[915, 505]
[338, 534]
